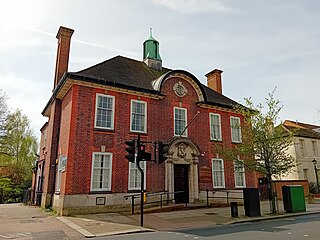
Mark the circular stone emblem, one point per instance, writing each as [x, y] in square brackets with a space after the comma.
[179, 89]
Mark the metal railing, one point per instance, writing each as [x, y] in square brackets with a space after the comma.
[227, 197]
[161, 200]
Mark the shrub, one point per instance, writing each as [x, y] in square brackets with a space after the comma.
[313, 188]
[10, 192]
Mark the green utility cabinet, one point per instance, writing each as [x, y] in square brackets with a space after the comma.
[293, 198]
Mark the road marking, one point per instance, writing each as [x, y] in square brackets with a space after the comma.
[15, 235]
[76, 227]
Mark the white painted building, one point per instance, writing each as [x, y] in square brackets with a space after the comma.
[305, 149]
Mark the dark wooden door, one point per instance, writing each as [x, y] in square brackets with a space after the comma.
[181, 183]
[263, 188]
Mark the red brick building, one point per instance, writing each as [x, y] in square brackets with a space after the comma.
[91, 113]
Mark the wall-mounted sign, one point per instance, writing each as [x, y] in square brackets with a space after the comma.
[100, 201]
[63, 162]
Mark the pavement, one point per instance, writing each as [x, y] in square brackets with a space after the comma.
[106, 224]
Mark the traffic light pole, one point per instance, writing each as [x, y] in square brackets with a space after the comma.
[142, 181]
[136, 153]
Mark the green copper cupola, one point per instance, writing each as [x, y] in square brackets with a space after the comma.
[151, 55]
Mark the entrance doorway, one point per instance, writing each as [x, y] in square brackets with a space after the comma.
[181, 183]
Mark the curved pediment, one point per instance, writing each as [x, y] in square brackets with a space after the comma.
[195, 83]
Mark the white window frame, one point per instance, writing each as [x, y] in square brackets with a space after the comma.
[221, 171]
[305, 174]
[314, 148]
[108, 188]
[236, 165]
[96, 111]
[44, 138]
[145, 116]
[38, 179]
[185, 134]
[302, 147]
[233, 128]
[212, 127]
[133, 166]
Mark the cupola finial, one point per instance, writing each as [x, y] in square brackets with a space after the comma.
[151, 55]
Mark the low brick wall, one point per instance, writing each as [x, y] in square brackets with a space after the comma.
[279, 183]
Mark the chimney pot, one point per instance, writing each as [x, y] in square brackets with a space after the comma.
[214, 80]
[64, 38]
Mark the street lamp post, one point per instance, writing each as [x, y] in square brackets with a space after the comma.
[314, 162]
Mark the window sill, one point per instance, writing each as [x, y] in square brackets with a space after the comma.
[136, 133]
[103, 130]
[135, 191]
[180, 136]
[219, 188]
[99, 192]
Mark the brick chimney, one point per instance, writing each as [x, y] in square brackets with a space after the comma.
[214, 80]
[64, 37]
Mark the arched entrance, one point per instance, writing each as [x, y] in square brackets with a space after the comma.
[182, 170]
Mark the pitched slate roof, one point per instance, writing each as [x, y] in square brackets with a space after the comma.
[303, 129]
[300, 124]
[302, 132]
[124, 71]
[215, 98]
[131, 73]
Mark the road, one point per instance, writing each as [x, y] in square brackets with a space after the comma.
[303, 227]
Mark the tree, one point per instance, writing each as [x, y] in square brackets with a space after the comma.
[264, 146]
[3, 116]
[20, 145]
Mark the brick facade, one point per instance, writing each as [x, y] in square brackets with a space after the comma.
[71, 133]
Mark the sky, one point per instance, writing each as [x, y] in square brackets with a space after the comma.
[258, 44]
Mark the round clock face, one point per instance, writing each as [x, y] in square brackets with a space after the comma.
[179, 89]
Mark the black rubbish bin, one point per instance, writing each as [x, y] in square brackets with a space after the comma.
[251, 202]
[234, 209]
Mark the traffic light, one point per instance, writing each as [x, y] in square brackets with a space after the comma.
[144, 156]
[163, 149]
[130, 150]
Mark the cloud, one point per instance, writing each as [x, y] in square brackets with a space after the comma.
[196, 6]
[97, 45]
[24, 94]
[82, 42]
[8, 44]
[38, 31]
[279, 59]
